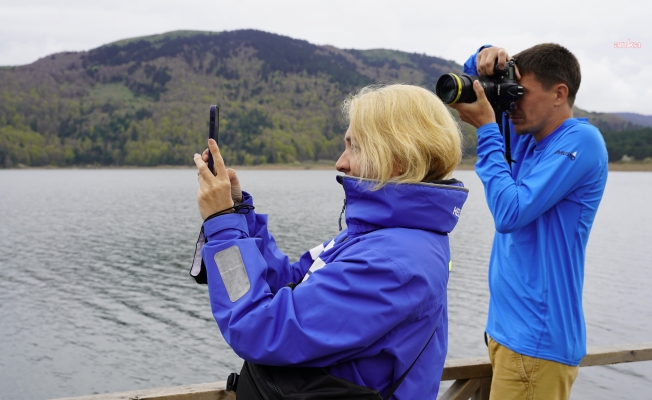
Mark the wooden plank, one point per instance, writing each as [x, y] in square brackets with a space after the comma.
[617, 354]
[202, 391]
[481, 367]
[483, 391]
[464, 371]
[461, 389]
[466, 368]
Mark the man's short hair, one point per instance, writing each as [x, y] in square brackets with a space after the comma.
[405, 130]
[551, 64]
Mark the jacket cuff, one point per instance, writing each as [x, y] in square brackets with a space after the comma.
[225, 227]
[487, 129]
[470, 67]
[247, 199]
[251, 215]
[484, 46]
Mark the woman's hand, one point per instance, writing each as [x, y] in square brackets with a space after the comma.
[236, 191]
[214, 193]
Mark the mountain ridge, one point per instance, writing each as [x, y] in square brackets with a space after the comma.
[144, 100]
[639, 119]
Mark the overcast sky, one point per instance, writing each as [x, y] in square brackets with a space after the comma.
[612, 79]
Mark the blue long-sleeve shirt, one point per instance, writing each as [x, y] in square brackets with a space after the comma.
[543, 211]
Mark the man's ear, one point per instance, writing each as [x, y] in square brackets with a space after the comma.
[561, 93]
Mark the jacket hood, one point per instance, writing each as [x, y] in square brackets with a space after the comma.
[428, 206]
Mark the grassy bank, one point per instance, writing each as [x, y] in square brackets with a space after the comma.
[633, 166]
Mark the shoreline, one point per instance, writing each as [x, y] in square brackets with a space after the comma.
[466, 165]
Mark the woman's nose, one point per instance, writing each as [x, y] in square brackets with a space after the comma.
[342, 164]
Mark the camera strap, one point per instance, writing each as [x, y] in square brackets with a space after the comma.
[503, 126]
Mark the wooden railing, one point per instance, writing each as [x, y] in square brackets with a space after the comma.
[472, 378]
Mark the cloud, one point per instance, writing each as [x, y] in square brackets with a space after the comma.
[614, 80]
[616, 83]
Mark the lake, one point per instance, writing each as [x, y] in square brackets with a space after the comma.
[95, 295]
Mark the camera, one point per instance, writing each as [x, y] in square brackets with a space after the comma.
[502, 89]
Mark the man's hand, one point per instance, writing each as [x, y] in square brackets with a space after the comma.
[236, 191]
[477, 113]
[214, 193]
[487, 58]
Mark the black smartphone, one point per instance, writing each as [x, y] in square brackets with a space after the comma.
[213, 132]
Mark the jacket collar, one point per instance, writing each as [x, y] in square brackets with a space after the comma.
[427, 206]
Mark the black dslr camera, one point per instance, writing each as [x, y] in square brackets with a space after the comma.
[501, 88]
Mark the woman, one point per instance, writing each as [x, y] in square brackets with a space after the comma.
[370, 299]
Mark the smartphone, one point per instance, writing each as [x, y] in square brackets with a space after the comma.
[213, 132]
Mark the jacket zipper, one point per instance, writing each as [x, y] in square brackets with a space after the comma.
[339, 222]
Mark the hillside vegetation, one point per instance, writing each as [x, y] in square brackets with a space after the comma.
[144, 101]
[630, 145]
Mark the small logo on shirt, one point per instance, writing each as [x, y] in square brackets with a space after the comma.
[457, 211]
[572, 155]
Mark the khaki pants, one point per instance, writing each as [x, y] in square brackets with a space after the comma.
[520, 377]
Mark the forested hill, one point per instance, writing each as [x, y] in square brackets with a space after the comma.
[144, 101]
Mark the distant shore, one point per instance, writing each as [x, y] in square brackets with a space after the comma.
[466, 165]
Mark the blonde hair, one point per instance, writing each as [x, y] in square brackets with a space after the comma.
[403, 134]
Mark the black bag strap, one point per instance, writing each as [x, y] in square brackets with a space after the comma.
[391, 391]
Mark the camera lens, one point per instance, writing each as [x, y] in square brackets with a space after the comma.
[447, 88]
[452, 88]
[501, 89]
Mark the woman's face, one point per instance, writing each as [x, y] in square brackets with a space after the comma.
[348, 162]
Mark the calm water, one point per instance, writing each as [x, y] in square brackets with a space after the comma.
[95, 295]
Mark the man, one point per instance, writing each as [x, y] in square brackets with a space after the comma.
[543, 207]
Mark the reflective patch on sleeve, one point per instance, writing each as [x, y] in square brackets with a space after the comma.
[329, 245]
[233, 272]
[450, 265]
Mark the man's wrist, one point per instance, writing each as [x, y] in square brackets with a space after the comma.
[488, 121]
